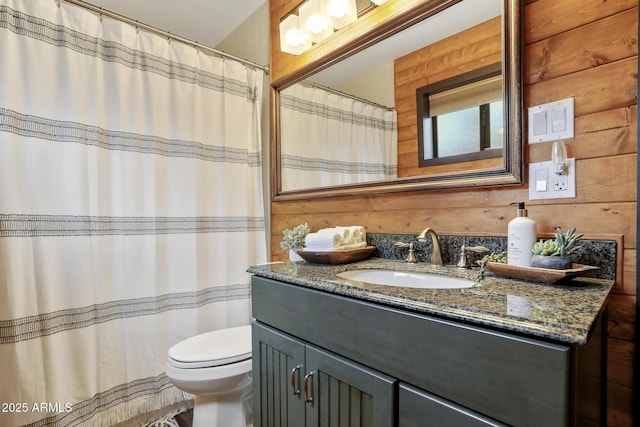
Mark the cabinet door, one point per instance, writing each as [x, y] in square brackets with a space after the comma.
[340, 392]
[418, 408]
[278, 368]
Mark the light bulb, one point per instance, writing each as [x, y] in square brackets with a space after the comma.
[314, 22]
[341, 12]
[337, 8]
[292, 39]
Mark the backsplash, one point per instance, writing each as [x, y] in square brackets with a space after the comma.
[599, 253]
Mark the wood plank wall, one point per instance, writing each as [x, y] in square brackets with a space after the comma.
[467, 51]
[585, 49]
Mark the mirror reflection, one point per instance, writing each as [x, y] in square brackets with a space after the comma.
[351, 122]
[331, 139]
[461, 118]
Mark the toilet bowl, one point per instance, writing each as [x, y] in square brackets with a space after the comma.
[216, 368]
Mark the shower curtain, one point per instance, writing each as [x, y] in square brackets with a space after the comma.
[130, 209]
[331, 139]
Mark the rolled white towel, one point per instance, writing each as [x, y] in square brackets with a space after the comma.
[357, 234]
[336, 238]
[344, 232]
[325, 231]
[322, 241]
[352, 246]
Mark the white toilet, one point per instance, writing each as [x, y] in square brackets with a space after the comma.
[216, 368]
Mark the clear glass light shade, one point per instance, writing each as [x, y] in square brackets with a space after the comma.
[314, 21]
[559, 157]
[292, 38]
[341, 12]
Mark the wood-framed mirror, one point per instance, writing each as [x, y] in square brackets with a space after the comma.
[334, 120]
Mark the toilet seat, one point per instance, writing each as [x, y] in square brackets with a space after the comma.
[216, 348]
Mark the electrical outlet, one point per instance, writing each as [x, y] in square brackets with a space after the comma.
[544, 183]
[560, 182]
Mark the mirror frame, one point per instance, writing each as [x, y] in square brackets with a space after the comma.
[512, 173]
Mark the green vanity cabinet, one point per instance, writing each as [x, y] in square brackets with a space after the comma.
[276, 359]
[420, 370]
[297, 384]
[418, 408]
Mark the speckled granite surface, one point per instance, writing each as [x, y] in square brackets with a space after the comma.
[600, 253]
[564, 313]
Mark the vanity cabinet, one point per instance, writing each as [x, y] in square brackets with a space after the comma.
[297, 384]
[419, 408]
[418, 370]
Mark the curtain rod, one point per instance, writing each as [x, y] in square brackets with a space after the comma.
[111, 14]
[346, 95]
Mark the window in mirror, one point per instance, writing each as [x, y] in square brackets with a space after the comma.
[461, 119]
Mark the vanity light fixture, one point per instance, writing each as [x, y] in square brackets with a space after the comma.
[292, 39]
[315, 20]
[341, 12]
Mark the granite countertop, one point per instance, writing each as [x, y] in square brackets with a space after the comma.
[563, 313]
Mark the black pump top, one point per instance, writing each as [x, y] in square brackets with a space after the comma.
[520, 204]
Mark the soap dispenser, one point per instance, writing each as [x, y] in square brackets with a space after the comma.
[522, 235]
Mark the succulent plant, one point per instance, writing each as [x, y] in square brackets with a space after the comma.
[563, 244]
[545, 248]
[294, 239]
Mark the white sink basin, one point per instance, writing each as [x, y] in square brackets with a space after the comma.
[406, 280]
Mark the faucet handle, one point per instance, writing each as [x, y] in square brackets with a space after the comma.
[463, 262]
[411, 256]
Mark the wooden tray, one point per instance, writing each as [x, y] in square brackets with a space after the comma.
[535, 274]
[336, 257]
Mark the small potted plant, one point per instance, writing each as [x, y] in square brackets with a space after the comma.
[294, 240]
[554, 253]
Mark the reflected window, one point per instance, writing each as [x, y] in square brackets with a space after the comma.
[461, 119]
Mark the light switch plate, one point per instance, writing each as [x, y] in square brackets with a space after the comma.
[544, 183]
[551, 122]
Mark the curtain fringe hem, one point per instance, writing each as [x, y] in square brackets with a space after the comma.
[138, 407]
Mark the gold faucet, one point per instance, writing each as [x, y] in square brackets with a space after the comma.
[436, 251]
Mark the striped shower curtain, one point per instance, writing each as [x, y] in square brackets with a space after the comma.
[130, 208]
[331, 139]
